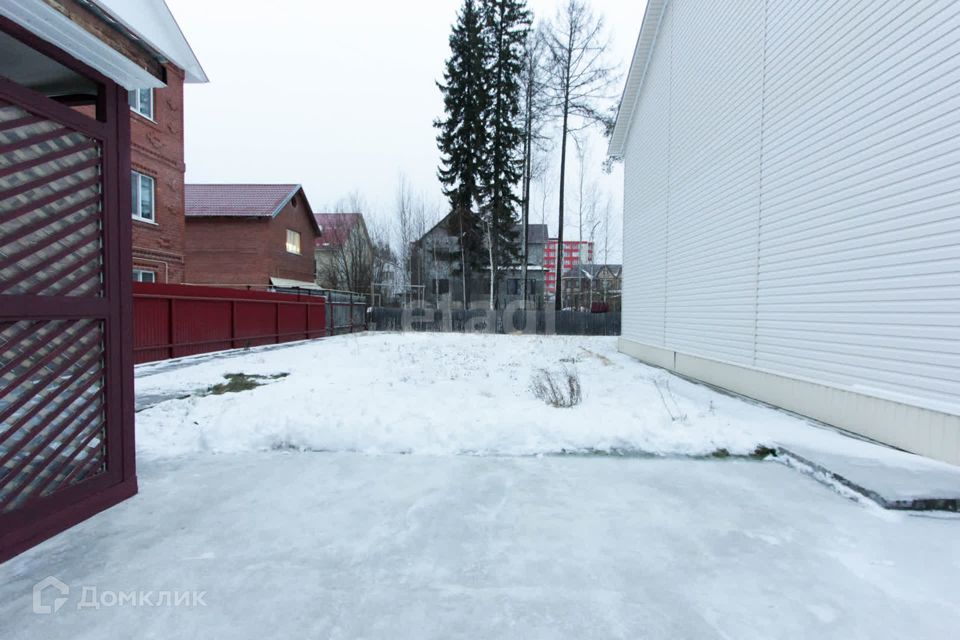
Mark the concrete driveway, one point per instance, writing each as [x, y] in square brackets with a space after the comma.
[352, 546]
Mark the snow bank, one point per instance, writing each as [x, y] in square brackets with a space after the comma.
[447, 394]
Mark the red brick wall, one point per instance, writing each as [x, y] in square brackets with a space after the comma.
[288, 265]
[157, 150]
[249, 251]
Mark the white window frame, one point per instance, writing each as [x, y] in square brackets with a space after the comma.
[134, 99]
[138, 275]
[137, 203]
[299, 247]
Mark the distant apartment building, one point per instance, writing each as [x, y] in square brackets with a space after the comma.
[575, 253]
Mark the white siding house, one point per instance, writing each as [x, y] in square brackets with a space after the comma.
[792, 208]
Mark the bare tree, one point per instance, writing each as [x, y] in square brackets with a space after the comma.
[345, 259]
[405, 224]
[579, 82]
[533, 108]
[607, 230]
[412, 217]
[546, 181]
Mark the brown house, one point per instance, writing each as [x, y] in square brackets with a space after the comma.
[250, 235]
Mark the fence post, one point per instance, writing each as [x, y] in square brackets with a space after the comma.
[233, 324]
[171, 328]
[276, 323]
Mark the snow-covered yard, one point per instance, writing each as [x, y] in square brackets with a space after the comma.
[289, 509]
[451, 394]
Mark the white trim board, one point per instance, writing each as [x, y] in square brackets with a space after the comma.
[916, 429]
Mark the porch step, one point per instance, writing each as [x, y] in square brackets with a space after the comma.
[895, 480]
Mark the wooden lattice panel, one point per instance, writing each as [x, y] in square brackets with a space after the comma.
[52, 425]
[50, 208]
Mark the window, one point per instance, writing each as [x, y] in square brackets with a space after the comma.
[293, 241]
[141, 195]
[144, 275]
[141, 101]
[441, 286]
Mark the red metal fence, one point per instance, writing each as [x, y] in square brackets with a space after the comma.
[172, 321]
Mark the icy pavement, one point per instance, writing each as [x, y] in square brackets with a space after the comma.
[296, 545]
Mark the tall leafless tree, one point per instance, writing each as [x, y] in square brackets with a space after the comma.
[580, 83]
[534, 106]
[350, 259]
[405, 225]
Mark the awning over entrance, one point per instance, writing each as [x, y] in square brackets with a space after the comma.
[294, 284]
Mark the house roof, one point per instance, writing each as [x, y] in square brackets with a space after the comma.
[148, 22]
[241, 200]
[536, 233]
[638, 71]
[591, 270]
[336, 228]
[153, 23]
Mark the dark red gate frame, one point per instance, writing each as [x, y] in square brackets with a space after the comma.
[172, 321]
[42, 517]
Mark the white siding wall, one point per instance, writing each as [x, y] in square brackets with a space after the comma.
[792, 197]
[715, 120]
[645, 194]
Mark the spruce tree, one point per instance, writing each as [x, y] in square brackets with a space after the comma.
[463, 137]
[506, 25]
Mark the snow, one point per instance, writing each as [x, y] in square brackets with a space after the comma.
[435, 394]
[288, 509]
[341, 545]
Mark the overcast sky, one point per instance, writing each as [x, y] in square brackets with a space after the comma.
[339, 96]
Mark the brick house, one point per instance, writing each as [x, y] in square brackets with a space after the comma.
[157, 160]
[344, 253]
[250, 235]
[157, 180]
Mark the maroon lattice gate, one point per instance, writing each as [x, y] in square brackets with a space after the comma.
[66, 448]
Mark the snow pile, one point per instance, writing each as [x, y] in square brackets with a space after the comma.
[445, 394]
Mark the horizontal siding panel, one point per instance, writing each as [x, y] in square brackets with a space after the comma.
[714, 178]
[646, 194]
[928, 342]
[792, 195]
[859, 268]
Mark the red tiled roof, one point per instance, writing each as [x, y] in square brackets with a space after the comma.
[237, 200]
[335, 228]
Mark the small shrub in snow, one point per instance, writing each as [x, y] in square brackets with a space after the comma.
[558, 389]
